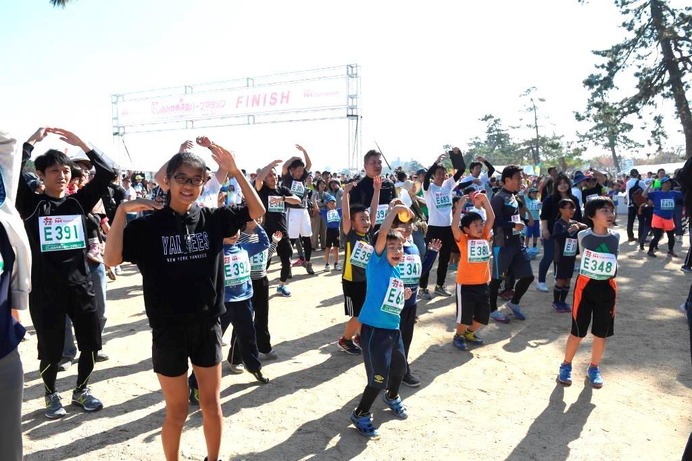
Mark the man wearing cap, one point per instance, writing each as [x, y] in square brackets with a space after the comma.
[593, 186]
[633, 185]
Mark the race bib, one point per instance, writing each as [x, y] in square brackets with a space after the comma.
[570, 247]
[275, 204]
[59, 233]
[259, 261]
[394, 298]
[536, 205]
[361, 254]
[598, 266]
[333, 216]
[591, 197]
[236, 268]
[381, 213]
[443, 200]
[667, 204]
[410, 269]
[298, 188]
[478, 251]
[516, 219]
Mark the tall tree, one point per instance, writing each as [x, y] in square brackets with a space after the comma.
[497, 146]
[658, 48]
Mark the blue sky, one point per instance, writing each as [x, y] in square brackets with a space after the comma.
[429, 70]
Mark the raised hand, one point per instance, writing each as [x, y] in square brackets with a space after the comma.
[300, 148]
[377, 183]
[69, 138]
[348, 186]
[204, 141]
[224, 158]
[38, 136]
[435, 244]
[186, 146]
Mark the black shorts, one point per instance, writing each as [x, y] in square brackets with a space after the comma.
[594, 299]
[172, 345]
[354, 297]
[510, 260]
[383, 354]
[473, 303]
[564, 268]
[332, 238]
[48, 308]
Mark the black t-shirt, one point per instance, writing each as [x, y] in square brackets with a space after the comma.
[363, 191]
[551, 212]
[180, 258]
[593, 192]
[297, 187]
[275, 217]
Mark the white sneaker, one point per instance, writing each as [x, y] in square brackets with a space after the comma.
[237, 369]
[683, 309]
[327, 268]
[337, 267]
[541, 286]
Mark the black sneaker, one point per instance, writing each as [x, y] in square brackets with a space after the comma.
[347, 346]
[260, 377]
[410, 380]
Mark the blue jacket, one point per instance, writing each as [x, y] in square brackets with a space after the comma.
[238, 270]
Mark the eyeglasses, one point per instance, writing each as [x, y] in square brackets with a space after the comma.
[182, 179]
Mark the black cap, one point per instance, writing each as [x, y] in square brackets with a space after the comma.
[634, 172]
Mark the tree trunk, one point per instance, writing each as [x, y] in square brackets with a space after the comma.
[616, 161]
[674, 74]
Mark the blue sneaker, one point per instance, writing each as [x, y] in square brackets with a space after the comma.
[364, 425]
[516, 310]
[194, 396]
[499, 317]
[283, 290]
[396, 405]
[686, 269]
[595, 377]
[565, 374]
[459, 342]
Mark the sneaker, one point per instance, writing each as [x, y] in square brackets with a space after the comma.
[459, 342]
[347, 346]
[194, 396]
[651, 253]
[356, 341]
[364, 425]
[26, 337]
[271, 355]
[683, 309]
[595, 377]
[470, 337]
[308, 268]
[507, 295]
[117, 270]
[499, 317]
[672, 254]
[64, 364]
[101, 356]
[54, 408]
[237, 368]
[260, 377]
[641, 247]
[396, 405]
[85, 400]
[557, 307]
[298, 262]
[453, 267]
[283, 290]
[338, 267]
[327, 267]
[686, 269]
[565, 374]
[442, 291]
[565, 308]
[516, 311]
[111, 273]
[410, 380]
[425, 293]
[541, 286]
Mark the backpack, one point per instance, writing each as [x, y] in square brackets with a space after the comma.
[636, 195]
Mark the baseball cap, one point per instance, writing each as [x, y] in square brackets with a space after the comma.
[421, 171]
[329, 198]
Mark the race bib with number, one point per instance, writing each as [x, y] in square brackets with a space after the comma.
[275, 204]
[516, 219]
[598, 266]
[333, 216]
[381, 213]
[259, 261]
[361, 254]
[591, 197]
[478, 251]
[410, 269]
[298, 188]
[443, 200]
[667, 204]
[394, 298]
[59, 233]
[570, 247]
[236, 269]
[536, 205]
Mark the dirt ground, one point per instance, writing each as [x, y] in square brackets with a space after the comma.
[499, 401]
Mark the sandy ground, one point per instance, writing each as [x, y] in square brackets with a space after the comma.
[500, 401]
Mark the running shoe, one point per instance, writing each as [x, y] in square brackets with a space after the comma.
[686, 269]
[271, 355]
[651, 253]
[308, 268]
[260, 377]
[595, 377]
[453, 267]
[194, 396]
[565, 374]
[425, 293]
[347, 346]
[459, 342]
[64, 364]
[86, 400]
[237, 368]
[565, 308]
[364, 425]
[499, 317]
[410, 380]
[327, 267]
[111, 273]
[442, 291]
[298, 262]
[542, 287]
[338, 267]
[507, 295]
[470, 337]
[101, 356]
[54, 408]
[396, 405]
[516, 311]
[356, 341]
[683, 309]
[672, 254]
[283, 290]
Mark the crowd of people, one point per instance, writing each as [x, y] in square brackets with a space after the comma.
[73, 224]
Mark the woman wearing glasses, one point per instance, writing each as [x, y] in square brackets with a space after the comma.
[178, 250]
